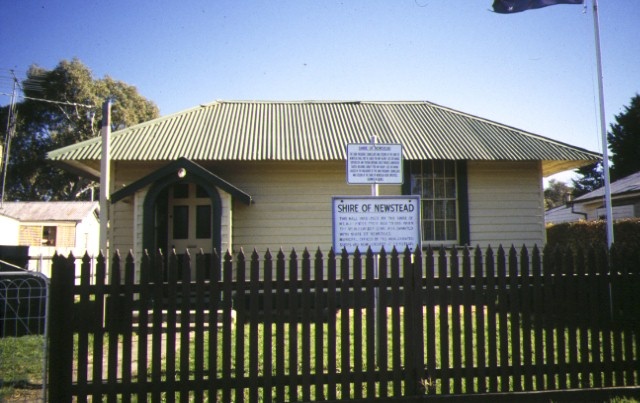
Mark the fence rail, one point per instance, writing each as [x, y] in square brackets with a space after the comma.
[316, 327]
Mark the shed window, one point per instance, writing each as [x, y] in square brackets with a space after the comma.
[49, 236]
[436, 183]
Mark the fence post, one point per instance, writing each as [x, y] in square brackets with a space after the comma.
[413, 331]
[60, 334]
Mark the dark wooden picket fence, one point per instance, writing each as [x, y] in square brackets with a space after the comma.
[464, 322]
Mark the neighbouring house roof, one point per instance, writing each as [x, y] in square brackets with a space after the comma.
[48, 211]
[320, 130]
[627, 186]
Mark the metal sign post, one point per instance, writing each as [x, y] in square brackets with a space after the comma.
[376, 221]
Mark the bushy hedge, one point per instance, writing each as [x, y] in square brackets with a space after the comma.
[585, 233]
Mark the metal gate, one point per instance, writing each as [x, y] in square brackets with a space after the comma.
[23, 334]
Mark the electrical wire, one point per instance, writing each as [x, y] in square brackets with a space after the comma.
[51, 101]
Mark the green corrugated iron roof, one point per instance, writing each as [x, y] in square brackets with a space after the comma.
[320, 130]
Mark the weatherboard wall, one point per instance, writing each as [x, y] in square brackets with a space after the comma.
[506, 203]
[291, 205]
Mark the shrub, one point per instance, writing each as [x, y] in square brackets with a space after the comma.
[585, 233]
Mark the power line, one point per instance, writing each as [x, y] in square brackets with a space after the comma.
[50, 101]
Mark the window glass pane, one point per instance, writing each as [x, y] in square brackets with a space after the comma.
[440, 210]
[200, 192]
[438, 169]
[440, 230]
[427, 170]
[427, 209]
[427, 188]
[180, 222]
[416, 185]
[181, 191]
[450, 188]
[452, 234]
[451, 209]
[416, 168]
[439, 189]
[203, 222]
[49, 236]
[427, 230]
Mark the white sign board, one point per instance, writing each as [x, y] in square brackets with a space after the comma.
[369, 164]
[375, 222]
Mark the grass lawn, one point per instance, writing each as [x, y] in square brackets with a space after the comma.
[21, 358]
[21, 368]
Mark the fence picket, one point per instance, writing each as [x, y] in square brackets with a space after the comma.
[305, 340]
[293, 327]
[572, 324]
[526, 312]
[503, 327]
[114, 324]
[227, 306]
[318, 328]
[370, 313]
[184, 281]
[144, 297]
[345, 340]
[239, 328]
[358, 299]
[84, 324]
[158, 306]
[332, 308]
[514, 296]
[443, 314]
[467, 295]
[214, 275]
[492, 296]
[430, 320]
[549, 318]
[127, 327]
[480, 323]
[254, 276]
[200, 307]
[456, 330]
[396, 354]
[268, 328]
[538, 314]
[280, 321]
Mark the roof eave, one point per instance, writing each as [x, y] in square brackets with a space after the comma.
[77, 168]
[553, 167]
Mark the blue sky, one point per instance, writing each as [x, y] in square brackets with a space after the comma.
[534, 70]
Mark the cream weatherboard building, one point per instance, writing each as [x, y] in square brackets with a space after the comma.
[44, 228]
[261, 175]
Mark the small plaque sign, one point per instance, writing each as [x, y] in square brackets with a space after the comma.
[370, 164]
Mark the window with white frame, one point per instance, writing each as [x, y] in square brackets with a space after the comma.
[436, 183]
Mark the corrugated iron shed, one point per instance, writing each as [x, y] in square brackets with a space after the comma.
[320, 130]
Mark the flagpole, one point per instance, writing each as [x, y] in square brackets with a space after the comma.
[603, 130]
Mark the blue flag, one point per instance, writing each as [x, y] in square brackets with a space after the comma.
[515, 6]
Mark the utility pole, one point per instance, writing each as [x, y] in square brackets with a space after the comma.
[105, 167]
[11, 127]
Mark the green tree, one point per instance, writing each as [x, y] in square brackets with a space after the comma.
[624, 141]
[624, 145]
[62, 107]
[555, 194]
[591, 178]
